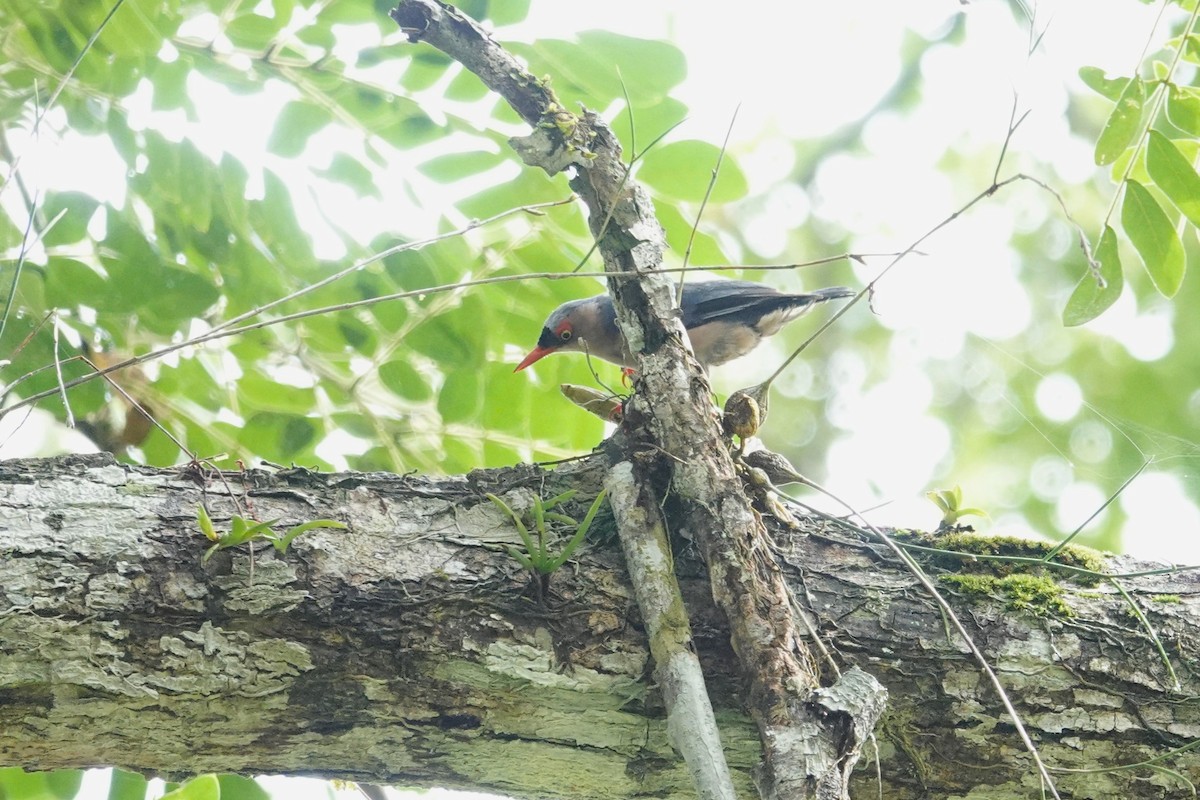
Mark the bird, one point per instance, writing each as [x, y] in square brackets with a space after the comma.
[725, 319]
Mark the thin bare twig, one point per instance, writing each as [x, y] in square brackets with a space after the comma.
[24, 251]
[1013, 124]
[62, 388]
[712, 182]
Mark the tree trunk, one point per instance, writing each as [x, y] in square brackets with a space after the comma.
[413, 649]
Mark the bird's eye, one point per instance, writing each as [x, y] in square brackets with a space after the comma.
[565, 335]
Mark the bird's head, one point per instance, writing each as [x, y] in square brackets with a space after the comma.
[552, 339]
[580, 325]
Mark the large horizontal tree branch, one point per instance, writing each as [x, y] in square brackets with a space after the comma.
[407, 649]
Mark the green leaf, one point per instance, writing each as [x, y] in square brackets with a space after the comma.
[237, 529]
[973, 512]
[519, 558]
[259, 391]
[424, 69]
[510, 404]
[297, 121]
[678, 228]
[1191, 47]
[354, 13]
[241, 532]
[1152, 233]
[649, 122]
[281, 542]
[1109, 87]
[466, 88]
[77, 208]
[127, 786]
[252, 31]
[277, 436]
[939, 500]
[461, 396]
[400, 377]
[61, 784]
[203, 787]
[206, 524]
[350, 171]
[125, 33]
[70, 283]
[237, 787]
[659, 66]
[195, 207]
[337, 333]
[274, 219]
[456, 166]
[682, 170]
[1091, 298]
[1183, 108]
[521, 529]
[586, 69]
[558, 499]
[507, 12]
[1123, 124]
[1175, 175]
[453, 340]
[580, 532]
[170, 84]
[180, 295]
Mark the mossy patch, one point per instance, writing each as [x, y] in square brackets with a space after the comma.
[990, 554]
[1035, 593]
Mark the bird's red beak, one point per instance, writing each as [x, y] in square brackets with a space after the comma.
[536, 354]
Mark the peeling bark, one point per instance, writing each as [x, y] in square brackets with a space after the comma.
[407, 649]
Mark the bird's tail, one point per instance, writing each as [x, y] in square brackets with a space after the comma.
[832, 293]
[774, 313]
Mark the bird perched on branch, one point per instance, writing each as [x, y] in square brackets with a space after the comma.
[724, 320]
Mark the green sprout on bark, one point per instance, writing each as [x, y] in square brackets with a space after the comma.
[242, 530]
[539, 556]
[950, 503]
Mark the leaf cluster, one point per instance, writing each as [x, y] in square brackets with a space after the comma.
[242, 531]
[949, 502]
[540, 554]
[1150, 142]
[208, 228]
[16, 784]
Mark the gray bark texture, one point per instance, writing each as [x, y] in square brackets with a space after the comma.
[411, 648]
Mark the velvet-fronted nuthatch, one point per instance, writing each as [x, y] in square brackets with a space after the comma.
[724, 320]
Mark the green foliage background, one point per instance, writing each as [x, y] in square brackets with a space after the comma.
[425, 382]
